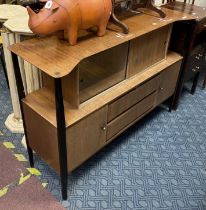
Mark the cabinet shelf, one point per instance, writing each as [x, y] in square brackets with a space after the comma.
[42, 101]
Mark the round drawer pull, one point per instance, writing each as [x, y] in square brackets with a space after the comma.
[104, 128]
[161, 88]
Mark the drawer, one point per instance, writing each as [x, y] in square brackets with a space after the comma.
[135, 112]
[126, 101]
[193, 66]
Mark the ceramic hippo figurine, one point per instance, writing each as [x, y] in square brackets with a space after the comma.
[70, 16]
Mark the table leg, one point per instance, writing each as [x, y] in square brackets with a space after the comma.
[61, 134]
[194, 84]
[117, 22]
[21, 95]
[204, 83]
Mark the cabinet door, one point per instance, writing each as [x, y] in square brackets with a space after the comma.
[147, 50]
[86, 137]
[168, 80]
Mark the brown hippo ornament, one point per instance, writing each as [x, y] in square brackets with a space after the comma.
[70, 16]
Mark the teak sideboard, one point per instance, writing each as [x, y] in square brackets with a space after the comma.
[95, 90]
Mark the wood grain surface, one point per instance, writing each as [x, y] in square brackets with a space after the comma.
[56, 58]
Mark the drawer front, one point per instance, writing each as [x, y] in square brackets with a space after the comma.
[125, 119]
[193, 67]
[128, 100]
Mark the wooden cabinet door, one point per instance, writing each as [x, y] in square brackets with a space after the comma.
[168, 80]
[86, 137]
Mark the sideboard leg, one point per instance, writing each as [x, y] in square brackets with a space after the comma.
[21, 95]
[171, 103]
[204, 83]
[194, 84]
[61, 135]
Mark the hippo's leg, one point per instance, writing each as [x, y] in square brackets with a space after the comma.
[102, 28]
[72, 35]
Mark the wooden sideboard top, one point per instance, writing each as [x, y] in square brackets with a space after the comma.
[56, 58]
[198, 12]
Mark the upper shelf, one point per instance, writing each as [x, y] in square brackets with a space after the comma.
[56, 58]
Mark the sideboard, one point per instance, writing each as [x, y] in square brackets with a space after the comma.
[95, 90]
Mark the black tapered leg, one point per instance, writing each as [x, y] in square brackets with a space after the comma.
[171, 100]
[204, 83]
[61, 132]
[194, 84]
[21, 95]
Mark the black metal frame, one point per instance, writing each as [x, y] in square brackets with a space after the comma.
[21, 95]
[61, 134]
[61, 128]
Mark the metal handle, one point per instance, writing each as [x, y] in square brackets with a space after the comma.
[104, 128]
[161, 88]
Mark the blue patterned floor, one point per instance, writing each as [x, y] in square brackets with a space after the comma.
[159, 163]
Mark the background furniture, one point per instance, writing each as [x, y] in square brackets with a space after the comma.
[185, 1]
[3, 61]
[204, 66]
[88, 96]
[15, 21]
[188, 39]
[131, 7]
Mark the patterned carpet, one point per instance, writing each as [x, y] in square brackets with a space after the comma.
[159, 163]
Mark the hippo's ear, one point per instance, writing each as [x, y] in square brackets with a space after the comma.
[55, 10]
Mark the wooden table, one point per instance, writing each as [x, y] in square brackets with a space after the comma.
[188, 39]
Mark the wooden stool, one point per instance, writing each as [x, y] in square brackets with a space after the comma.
[132, 6]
